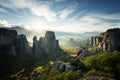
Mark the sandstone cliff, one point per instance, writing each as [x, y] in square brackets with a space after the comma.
[107, 41]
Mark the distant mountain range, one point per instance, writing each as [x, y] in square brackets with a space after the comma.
[82, 36]
[19, 29]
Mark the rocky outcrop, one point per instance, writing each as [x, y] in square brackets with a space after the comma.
[11, 42]
[21, 45]
[107, 41]
[63, 66]
[7, 36]
[50, 42]
[35, 45]
[47, 44]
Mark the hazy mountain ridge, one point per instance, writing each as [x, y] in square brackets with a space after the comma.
[82, 36]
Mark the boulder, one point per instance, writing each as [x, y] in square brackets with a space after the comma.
[57, 64]
[63, 66]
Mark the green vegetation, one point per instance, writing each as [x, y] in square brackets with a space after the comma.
[11, 65]
[96, 50]
[53, 74]
[71, 50]
[98, 73]
[93, 49]
[48, 73]
[77, 43]
[105, 64]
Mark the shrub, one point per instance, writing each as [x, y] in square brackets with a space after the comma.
[73, 75]
[77, 63]
[98, 73]
[108, 62]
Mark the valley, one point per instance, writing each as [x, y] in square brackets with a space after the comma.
[46, 60]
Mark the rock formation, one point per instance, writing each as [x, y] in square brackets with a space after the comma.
[47, 44]
[11, 42]
[7, 36]
[107, 41]
[35, 45]
[63, 66]
[21, 45]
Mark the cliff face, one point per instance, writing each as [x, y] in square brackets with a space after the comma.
[107, 41]
[12, 43]
[21, 45]
[7, 36]
[47, 44]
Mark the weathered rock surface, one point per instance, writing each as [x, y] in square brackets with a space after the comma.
[47, 44]
[21, 45]
[7, 36]
[63, 66]
[12, 43]
[83, 52]
[107, 41]
[35, 45]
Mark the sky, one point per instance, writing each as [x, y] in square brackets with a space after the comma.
[61, 15]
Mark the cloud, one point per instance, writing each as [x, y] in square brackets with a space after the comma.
[89, 23]
[36, 8]
[77, 15]
[43, 16]
[59, 0]
[14, 4]
[44, 11]
[38, 24]
[2, 10]
[65, 13]
[4, 23]
[101, 18]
